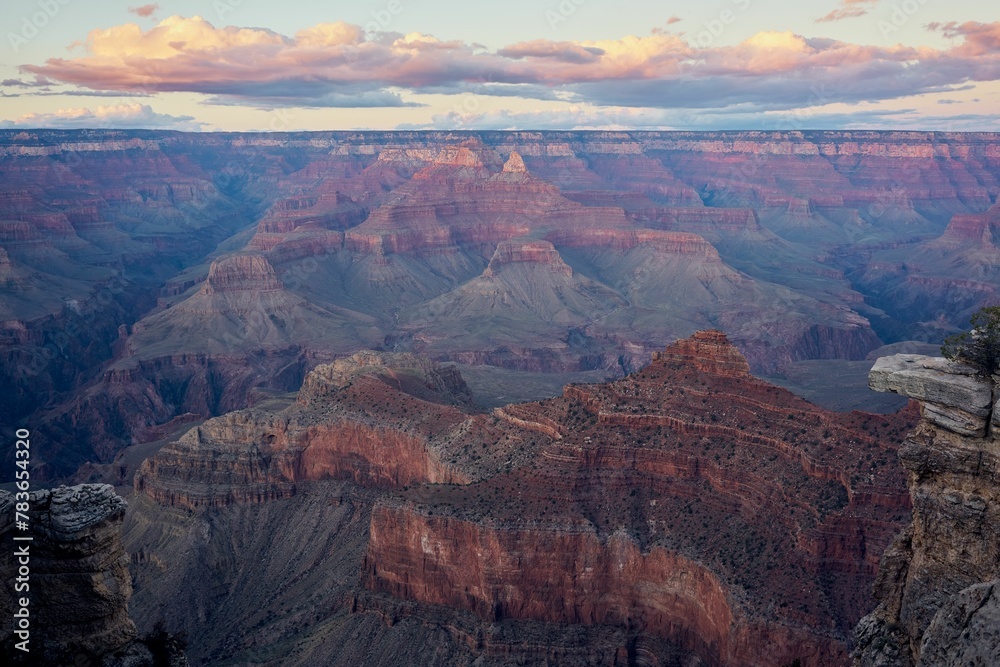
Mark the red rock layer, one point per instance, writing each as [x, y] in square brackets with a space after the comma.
[679, 243]
[332, 432]
[681, 502]
[203, 469]
[571, 576]
[973, 230]
[707, 351]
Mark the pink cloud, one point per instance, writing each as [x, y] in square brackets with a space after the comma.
[980, 39]
[570, 52]
[144, 11]
[338, 64]
[850, 9]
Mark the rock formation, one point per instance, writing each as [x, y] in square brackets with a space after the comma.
[621, 520]
[242, 273]
[936, 584]
[686, 510]
[405, 404]
[79, 584]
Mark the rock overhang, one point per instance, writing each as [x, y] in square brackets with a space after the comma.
[950, 394]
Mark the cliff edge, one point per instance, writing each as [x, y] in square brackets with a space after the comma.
[78, 583]
[937, 582]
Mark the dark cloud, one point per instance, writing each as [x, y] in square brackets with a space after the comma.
[364, 99]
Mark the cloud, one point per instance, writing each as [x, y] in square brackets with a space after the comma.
[980, 39]
[339, 64]
[569, 52]
[849, 9]
[145, 10]
[286, 96]
[626, 118]
[38, 82]
[117, 116]
[673, 19]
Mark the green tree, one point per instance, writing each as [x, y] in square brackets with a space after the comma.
[980, 347]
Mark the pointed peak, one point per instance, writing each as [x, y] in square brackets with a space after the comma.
[515, 164]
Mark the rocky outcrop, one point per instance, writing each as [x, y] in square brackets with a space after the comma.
[434, 382]
[978, 231]
[966, 631]
[382, 420]
[935, 585]
[709, 352]
[950, 394]
[78, 584]
[80, 600]
[527, 251]
[515, 164]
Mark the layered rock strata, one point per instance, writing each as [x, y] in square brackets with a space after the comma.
[380, 419]
[688, 509]
[276, 253]
[621, 520]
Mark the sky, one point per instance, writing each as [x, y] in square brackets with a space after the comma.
[262, 65]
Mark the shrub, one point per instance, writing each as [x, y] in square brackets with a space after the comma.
[979, 348]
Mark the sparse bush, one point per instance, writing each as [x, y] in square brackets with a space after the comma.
[979, 348]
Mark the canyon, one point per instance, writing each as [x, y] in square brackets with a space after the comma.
[497, 398]
[150, 277]
[686, 512]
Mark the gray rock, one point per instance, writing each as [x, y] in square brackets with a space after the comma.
[75, 509]
[966, 631]
[877, 644]
[933, 380]
[954, 419]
